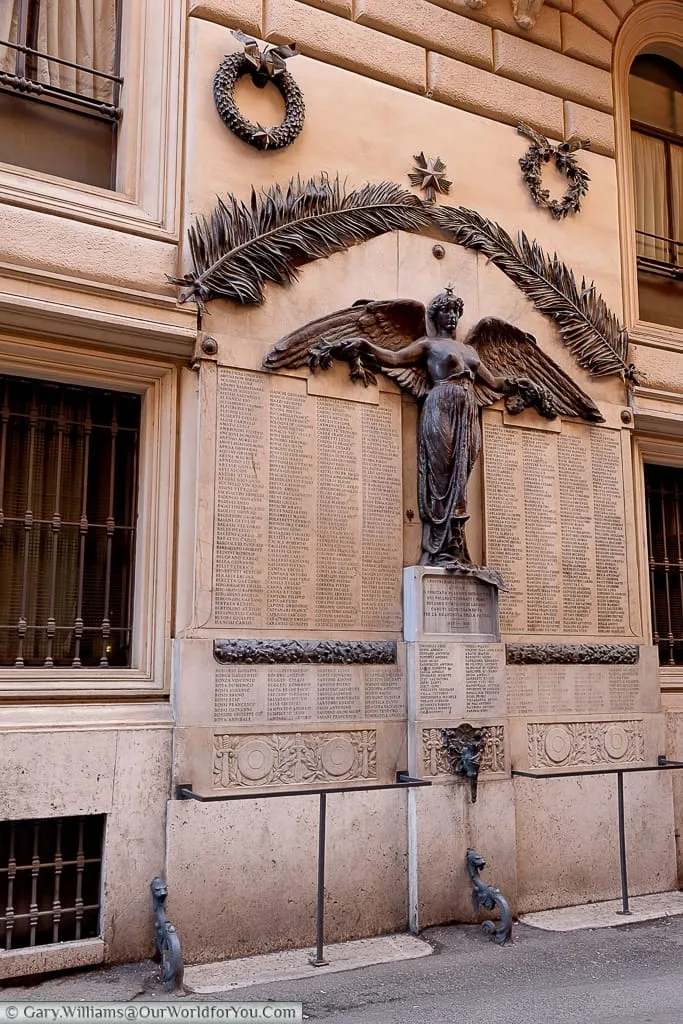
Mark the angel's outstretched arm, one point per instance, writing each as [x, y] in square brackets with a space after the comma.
[409, 355]
[502, 384]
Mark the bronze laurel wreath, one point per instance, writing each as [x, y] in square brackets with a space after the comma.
[540, 152]
[264, 67]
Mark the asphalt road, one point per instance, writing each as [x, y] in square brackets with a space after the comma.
[627, 975]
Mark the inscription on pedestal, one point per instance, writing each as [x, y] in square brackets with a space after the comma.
[460, 680]
[556, 527]
[448, 606]
[456, 605]
[308, 511]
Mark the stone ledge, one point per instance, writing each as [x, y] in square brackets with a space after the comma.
[290, 965]
[60, 956]
[606, 914]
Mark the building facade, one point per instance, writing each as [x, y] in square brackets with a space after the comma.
[164, 499]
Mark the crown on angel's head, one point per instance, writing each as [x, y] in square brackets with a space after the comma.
[445, 299]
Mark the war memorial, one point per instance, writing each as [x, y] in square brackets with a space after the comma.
[408, 353]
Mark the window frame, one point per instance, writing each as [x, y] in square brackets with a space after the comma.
[659, 451]
[145, 199]
[157, 383]
[657, 26]
[669, 140]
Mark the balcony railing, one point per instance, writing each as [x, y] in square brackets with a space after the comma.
[660, 255]
[22, 83]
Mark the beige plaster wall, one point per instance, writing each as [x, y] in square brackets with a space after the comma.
[673, 703]
[555, 74]
[447, 824]
[242, 874]
[86, 768]
[567, 839]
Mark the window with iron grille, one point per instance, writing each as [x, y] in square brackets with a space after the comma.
[68, 504]
[664, 496]
[50, 880]
[60, 87]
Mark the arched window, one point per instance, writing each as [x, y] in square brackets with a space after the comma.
[656, 106]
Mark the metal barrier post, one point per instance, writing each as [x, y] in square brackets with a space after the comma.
[622, 844]
[319, 960]
[403, 781]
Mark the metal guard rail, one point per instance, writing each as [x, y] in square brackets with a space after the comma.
[403, 781]
[663, 764]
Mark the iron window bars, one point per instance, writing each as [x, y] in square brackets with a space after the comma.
[50, 880]
[24, 79]
[664, 498]
[68, 503]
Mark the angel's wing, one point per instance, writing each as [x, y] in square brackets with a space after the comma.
[391, 324]
[506, 350]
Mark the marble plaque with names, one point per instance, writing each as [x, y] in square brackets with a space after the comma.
[459, 681]
[556, 527]
[308, 508]
[256, 694]
[585, 689]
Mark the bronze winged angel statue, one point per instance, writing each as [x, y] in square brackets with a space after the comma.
[452, 379]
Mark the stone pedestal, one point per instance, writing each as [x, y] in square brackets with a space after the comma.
[455, 671]
[449, 607]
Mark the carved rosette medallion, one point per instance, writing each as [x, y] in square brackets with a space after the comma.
[572, 744]
[435, 761]
[291, 759]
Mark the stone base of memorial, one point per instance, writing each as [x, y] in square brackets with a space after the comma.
[583, 708]
[455, 671]
[265, 715]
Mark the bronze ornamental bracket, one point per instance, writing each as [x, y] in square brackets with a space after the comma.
[464, 747]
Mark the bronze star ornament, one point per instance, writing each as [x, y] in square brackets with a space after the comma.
[429, 174]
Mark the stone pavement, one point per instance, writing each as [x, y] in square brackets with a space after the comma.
[627, 975]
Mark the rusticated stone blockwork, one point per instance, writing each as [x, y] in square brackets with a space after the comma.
[550, 50]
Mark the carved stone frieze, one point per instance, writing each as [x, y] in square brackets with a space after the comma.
[304, 652]
[435, 759]
[572, 654]
[291, 759]
[576, 744]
